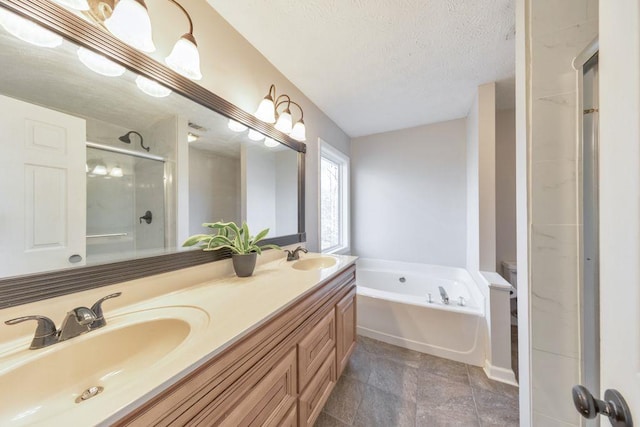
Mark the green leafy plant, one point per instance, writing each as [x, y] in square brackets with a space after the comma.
[229, 235]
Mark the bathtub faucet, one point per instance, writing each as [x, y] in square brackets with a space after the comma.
[444, 295]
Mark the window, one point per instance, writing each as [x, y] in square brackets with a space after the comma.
[334, 200]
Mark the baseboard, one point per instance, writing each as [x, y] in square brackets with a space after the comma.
[503, 375]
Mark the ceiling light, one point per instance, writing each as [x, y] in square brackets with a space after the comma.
[192, 137]
[270, 142]
[130, 23]
[99, 170]
[74, 4]
[28, 31]
[235, 126]
[116, 172]
[267, 110]
[254, 135]
[299, 131]
[152, 88]
[99, 63]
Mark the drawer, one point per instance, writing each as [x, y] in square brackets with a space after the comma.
[314, 348]
[265, 401]
[291, 419]
[314, 397]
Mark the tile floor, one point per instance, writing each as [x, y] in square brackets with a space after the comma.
[389, 386]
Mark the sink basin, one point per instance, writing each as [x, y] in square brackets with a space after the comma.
[317, 263]
[46, 382]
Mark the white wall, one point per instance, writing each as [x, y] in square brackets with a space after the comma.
[286, 193]
[505, 187]
[258, 170]
[556, 34]
[409, 194]
[236, 71]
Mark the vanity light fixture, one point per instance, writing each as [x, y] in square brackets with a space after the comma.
[184, 58]
[74, 4]
[28, 31]
[99, 170]
[130, 23]
[236, 126]
[254, 135]
[152, 88]
[192, 137]
[268, 112]
[99, 63]
[270, 142]
[116, 172]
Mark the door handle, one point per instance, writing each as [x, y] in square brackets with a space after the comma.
[613, 406]
[148, 217]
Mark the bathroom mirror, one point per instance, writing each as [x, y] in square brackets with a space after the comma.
[102, 164]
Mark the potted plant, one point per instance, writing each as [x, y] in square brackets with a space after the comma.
[244, 247]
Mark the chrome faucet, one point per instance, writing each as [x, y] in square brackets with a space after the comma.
[295, 254]
[444, 295]
[78, 321]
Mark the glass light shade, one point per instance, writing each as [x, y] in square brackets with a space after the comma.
[235, 126]
[185, 59]
[99, 170]
[116, 172]
[299, 131]
[28, 31]
[284, 123]
[99, 63]
[254, 135]
[130, 23]
[270, 142]
[152, 88]
[266, 110]
[192, 137]
[74, 4]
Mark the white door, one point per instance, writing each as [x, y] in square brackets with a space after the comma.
[43, 190]
[619, 179]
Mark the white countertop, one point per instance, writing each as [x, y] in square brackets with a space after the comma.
[221, 307]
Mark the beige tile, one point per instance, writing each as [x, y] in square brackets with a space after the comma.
[554, 128]
[553, 193]
[549, 16]
[552, 377]
[552, 56]
[554, 289]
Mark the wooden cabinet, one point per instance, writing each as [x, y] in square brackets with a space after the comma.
[281, 374]
[346, 323]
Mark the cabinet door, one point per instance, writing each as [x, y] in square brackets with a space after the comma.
[313, 398]
[346, 324]
[315, 347]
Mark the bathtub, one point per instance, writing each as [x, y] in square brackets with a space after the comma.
[393, 306]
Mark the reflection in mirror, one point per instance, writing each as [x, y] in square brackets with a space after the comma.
[89, 161]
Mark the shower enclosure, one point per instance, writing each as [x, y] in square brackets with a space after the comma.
[125, 204]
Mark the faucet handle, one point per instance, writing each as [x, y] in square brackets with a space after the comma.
[99, 322]
[46, 332]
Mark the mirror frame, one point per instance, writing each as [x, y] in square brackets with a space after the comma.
[34, 287]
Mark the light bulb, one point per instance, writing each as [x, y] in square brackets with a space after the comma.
[28, 31]
[99, 63]
[254, 135]
[99, 170]
[192, 137]
[130, 23]
[270, 142]
[116, 172]
[266, 110]
[152, 88]
[284, 122]
[74, 4]
[184, 58]
[299, 131]
[235, 126]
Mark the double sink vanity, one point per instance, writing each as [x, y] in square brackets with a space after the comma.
[190, 347]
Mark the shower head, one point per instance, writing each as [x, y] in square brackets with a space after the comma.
[126, 138]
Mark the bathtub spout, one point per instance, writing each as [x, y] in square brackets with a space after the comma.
[444, 295]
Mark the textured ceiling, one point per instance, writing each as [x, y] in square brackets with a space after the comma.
[380, 65]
